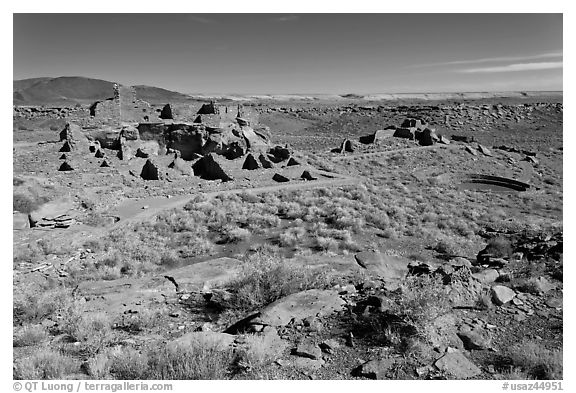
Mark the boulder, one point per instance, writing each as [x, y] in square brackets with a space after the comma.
[375, 369]
[63, 157]
[308, 350]
[210, 167]
[486, 276]
[150, 171]
[471, 150]
[443, 140]
[502, 294]
[413, 123]
[474, 338]
[389, 268]
[298, 306]
[99, 154]
[457, 365]
[104, 164]
[484, 150]
[254, 142]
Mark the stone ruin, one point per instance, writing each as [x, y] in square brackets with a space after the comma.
[411, 128]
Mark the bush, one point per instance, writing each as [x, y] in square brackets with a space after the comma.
[421, 301]
[265, 278]
[128, 363]
[45, 364]
[535, 361]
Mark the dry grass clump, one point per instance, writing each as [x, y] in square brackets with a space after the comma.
[45, 364]
[29, 335]
[533, 361]
[422, 299]
[265, 278]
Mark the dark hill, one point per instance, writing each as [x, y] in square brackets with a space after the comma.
[70, 90]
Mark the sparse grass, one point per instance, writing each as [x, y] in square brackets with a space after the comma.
[29, 335]
[45, 364]
[535, 361]
[205, 362]
[27, 204]
[260, 350]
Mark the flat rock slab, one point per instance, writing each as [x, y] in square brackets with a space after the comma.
[457, 365]
[387, 267]
[218, 341]
[52, 209]
[298, 306]
[200, 276]
[376, 369]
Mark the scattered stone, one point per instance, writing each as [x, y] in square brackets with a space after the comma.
[443, 140]
[457, 365]
[484, 150]
[474, 338]
[471, 150]
[502, 295]
[99, 154]
[329, 346]
[308, 350]
[376, 369]
[554, 302]
[486, 276]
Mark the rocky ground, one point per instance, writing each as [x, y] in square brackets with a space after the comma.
[407, 260]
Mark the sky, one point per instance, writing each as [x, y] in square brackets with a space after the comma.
[296, 53]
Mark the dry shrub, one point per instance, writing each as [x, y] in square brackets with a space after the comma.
[45, 364]
[30, 335]
[266, 277]
[535, 361]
